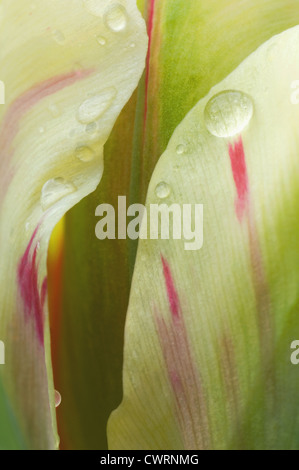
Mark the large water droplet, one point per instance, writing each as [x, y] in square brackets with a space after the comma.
[57, 398]
[228, 113]
[54, 190]
[162, 190]
[84, 153]
[115, 18]
[94, 107]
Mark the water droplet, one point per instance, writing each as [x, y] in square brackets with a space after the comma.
[228, 113]
[132, 45]
[84, 153]
[91, 128]
[58, 36]
[115, 18]
[27, 226]
[94, 107]
[180, 149]
[102, 41]
[57, 398]
[54, 190]
[54, 110]
[41, 130]
[162, 190]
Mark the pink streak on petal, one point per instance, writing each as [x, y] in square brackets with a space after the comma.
[19, 108]
[182, 372]
[259, 278]
[32, 96]
[239, 169]
[44, 290]
[185, 382]
[172, 294]
[33, 299]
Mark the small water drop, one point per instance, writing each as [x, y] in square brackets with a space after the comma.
[57, 398]
[54, 190]
[58, 36]
[228, 113]
[180, 149]
[162, 190]
[54, 110]
[93, 108]
[101, 40]
[91, 128]
[115, 18]
[41, 130]
[84, 153]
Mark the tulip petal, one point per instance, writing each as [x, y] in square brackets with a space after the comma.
[208, 333]
[193, 45]
[68, 70]
[10, 436]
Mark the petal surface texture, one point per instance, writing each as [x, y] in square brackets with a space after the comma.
[208, 333]
[68, 68]
[193, 45]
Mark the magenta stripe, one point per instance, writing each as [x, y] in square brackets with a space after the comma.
[172, 294]
[27, 278]
[240, 175]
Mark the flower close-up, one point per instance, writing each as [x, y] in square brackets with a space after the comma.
[149, 226]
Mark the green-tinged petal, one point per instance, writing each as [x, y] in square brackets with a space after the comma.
[10, 436]
[63, 93]
[208, 334]
[193, 45]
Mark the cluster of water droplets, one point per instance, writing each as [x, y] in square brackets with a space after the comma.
[88, 113]
[226, 115]
[115, 19]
